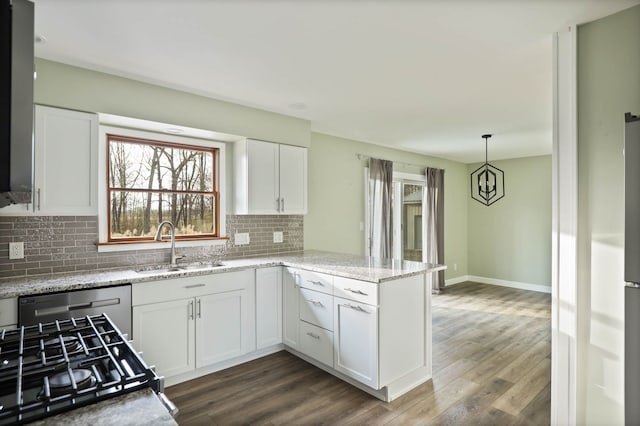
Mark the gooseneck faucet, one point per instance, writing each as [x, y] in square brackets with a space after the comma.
[158, 237]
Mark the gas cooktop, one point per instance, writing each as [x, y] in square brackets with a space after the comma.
[49, 368]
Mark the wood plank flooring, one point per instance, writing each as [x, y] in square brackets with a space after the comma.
[491, 365]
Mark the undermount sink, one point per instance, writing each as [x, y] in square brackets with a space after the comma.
[182, 268]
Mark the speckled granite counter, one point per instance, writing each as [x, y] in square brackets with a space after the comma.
[344, 265]
[142, 408]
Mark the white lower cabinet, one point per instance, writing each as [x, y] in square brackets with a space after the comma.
[356, 340]
[268, 307]
[215, 324]
[8, 312]
[165, 334]
[290, 308]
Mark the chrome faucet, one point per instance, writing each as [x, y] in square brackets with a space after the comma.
[158, 237]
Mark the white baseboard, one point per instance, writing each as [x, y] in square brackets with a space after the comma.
[456, 280]
[503, 283]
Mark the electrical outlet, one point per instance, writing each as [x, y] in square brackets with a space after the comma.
[455, 266]
[241, 238]
[278, 237]
[16, 250]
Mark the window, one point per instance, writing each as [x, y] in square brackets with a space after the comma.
[150, 181]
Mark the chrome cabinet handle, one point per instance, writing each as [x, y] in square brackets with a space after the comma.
[316, 282]
[282, 202]
[194, 285]
[356, 308]
[199, 308]
[191, 309]
[315, 302]
[315, 336]
[277, 204]
[38, 199]
[356, 291]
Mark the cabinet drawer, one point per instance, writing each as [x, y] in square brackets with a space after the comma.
[316, 308]
[8, 312]
[315, 281]
[193, 286]
[360, 291]
[317, 343]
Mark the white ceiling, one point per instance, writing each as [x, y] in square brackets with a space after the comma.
[422, 76]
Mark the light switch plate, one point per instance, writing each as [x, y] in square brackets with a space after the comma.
[241, 238]
[16, 250]
[278, 237]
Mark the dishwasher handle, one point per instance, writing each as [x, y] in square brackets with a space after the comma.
[76, 307]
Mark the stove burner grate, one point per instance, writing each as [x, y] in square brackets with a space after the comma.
[62, 365]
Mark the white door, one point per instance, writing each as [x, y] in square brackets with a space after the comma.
[290, 308]
[263, 180]
[164, 332]
[293, 179]
[356, 340]
[268, 307]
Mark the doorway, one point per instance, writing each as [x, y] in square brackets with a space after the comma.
[408, 192]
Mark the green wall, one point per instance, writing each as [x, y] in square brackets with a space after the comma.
[336, 179]
[511, 239]
[608, 71]
[336, 196]
[78, 88]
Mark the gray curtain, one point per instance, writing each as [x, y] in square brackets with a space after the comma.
[380, 216]
[433, 223]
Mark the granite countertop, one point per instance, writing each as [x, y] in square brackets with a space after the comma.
[142, 408]
[343, 265]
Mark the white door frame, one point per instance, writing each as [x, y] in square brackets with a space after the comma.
[564, 281]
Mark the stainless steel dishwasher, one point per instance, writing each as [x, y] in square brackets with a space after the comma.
[114, 301]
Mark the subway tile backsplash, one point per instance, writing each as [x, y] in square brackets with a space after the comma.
[66, 244]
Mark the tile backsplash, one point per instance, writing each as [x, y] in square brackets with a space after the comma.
[66, 244]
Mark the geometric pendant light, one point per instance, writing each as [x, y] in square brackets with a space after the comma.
[487, 181]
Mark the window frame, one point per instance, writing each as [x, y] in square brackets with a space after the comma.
[215, 192]
[188, 138]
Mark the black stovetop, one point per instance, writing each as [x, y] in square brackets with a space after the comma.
[50, 368]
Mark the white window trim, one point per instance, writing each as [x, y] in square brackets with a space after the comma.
[102, 188]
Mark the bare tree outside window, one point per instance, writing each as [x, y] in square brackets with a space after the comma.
[151, 181]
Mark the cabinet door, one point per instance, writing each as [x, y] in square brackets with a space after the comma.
[291, 311]
[165, 334]
[225, 326]
[66, 161]
[356, 340]
[293, 179]
[263, 177]
[268, 307]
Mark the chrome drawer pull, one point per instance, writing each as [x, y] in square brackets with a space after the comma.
[315, 302]
[356, 308]
[316, 282]
[356, 291]
[194, 285]
[315, 336]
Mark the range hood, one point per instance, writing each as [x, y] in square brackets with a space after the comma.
[16, 101]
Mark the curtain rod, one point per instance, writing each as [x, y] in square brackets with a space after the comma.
[367, 157]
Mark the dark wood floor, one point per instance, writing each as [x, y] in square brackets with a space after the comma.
[491, 364]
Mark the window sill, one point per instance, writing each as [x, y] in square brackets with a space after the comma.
[150, 245]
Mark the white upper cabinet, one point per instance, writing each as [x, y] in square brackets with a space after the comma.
[270, 178]
[65, 164]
